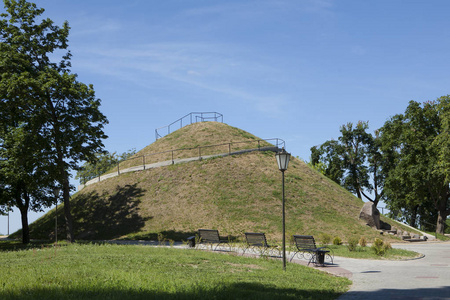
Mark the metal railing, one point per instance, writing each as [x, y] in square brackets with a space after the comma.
[279, 143]
[172, 156]
[190, 118]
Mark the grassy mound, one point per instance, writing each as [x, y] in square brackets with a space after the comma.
[205, 138]
[233, 194]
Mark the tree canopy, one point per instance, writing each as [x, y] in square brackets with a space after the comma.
[352, 161]
[414, 145]
[406, 163]
[104, 162]
[42, 100]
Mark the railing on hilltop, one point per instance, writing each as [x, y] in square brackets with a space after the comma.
[172, 156]
[190, 118]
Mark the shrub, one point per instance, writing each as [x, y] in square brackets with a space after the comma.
[362, 242]
[337, 241]
[380, 247]
[161, 238]
[325, 238]
[352, 243]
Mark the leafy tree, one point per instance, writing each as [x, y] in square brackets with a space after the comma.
[416, 163]
[352, 161]
[60, 111]
[104, 162]
[355, 142]
[24, 181]
[327, 159]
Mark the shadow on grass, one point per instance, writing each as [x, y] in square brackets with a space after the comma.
[235, 291]
[17, 245]
[240, 290]
[164, 235]
[109, 215]
[171, 235]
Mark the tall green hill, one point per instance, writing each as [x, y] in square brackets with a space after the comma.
[233, 194]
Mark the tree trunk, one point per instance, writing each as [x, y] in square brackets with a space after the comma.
[67, 211]
[64, 175]
[413, 220]
[443, 212]
[440, 226]
[375, 202]
[23, 207]
[25, 227]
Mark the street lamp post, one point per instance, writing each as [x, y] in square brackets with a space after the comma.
[56, 192]
[283, 162]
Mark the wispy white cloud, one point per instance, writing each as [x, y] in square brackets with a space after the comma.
[192, 56]
[217, 68]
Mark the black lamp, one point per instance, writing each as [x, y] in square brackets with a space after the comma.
[283, 162]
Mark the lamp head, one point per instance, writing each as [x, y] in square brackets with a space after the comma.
[56, 192]
[283, 159]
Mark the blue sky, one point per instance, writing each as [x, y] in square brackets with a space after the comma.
[295, 70]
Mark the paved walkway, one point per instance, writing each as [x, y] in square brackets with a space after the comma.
[424, 278]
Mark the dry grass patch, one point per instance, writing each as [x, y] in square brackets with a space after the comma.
[234, 194]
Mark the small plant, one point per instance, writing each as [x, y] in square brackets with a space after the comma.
[363, 242]
[161, 238]
[337, 241]
[352, 243]
[380, 247]
[325, 238]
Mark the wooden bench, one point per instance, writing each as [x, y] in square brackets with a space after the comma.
[212, 237]
[306, 248]
[258, 242]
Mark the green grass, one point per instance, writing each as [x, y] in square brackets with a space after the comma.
[439, 236]
[368, 253]
[140, 272]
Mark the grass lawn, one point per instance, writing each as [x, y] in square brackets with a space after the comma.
[368, 253]
[90, 271]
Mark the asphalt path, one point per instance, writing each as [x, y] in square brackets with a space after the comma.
[424, 278]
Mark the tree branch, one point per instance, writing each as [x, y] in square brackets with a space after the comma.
[367, 197]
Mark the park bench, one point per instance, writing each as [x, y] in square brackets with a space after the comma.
[306, 248]
[257, 241]
[212, 237]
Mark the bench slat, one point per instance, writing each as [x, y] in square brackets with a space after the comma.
[211, 236]
[306, 243]
[257, 240]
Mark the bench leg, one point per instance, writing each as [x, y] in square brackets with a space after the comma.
[292, 257]
[320, 258]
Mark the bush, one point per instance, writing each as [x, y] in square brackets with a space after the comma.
[325, 238]
[337, 241]
[362, 242]
[352, 243]
[380, 247]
